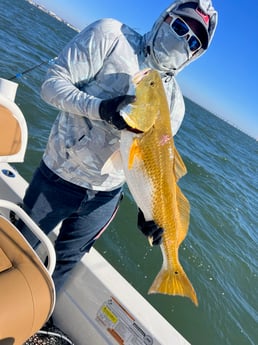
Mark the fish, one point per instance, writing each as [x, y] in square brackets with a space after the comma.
[152, 167]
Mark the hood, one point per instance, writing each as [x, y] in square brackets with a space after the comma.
[205, 7]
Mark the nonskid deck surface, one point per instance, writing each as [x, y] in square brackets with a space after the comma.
[49, 335]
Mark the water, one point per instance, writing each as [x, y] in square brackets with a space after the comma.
[220, 251]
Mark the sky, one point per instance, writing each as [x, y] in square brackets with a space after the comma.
[224, 80]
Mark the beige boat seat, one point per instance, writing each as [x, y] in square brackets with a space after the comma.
[13, 128]
[10, 133]
[27, 293]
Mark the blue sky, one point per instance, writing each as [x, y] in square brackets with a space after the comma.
[224, 80]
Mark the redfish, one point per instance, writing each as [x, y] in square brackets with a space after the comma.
[152, 167]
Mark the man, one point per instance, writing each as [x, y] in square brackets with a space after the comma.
[89, 83]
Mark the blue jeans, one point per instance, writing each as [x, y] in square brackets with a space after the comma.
[84, 213]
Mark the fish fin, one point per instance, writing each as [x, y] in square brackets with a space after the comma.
[114, 162]
[135, 151]
[173, 282]
[183, 208]
[180, 168]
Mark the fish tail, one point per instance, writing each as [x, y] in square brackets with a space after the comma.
[173, 282]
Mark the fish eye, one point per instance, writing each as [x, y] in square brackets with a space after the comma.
[152, 84]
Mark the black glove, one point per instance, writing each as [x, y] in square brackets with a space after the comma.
[150, 229]
[109, 110]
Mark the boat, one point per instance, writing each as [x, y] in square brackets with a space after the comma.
[98, 305]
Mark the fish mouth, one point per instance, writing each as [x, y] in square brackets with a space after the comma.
[140, 75]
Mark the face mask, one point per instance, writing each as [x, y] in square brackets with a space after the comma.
[170, 50]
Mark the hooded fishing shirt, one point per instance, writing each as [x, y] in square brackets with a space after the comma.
[97, 64]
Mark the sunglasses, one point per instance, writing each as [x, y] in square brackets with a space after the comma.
[179, 26]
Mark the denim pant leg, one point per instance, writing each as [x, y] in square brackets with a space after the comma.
[78, 232]
[48, 200]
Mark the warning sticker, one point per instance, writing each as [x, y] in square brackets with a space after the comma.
[121, 325]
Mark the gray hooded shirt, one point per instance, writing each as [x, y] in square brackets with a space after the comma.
[97, 64]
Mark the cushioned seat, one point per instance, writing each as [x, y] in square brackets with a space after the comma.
[13, 127]
[27, 294]
[26, 289]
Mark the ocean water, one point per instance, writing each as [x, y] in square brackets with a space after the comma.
[220, 251]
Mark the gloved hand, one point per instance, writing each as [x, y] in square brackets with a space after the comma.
[150, 229]
[109, 110]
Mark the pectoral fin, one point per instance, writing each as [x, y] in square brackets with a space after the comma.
[135, 152]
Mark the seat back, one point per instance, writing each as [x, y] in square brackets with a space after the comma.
[13, 128]
[27, 294]
[26, 289]
[10, 133]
